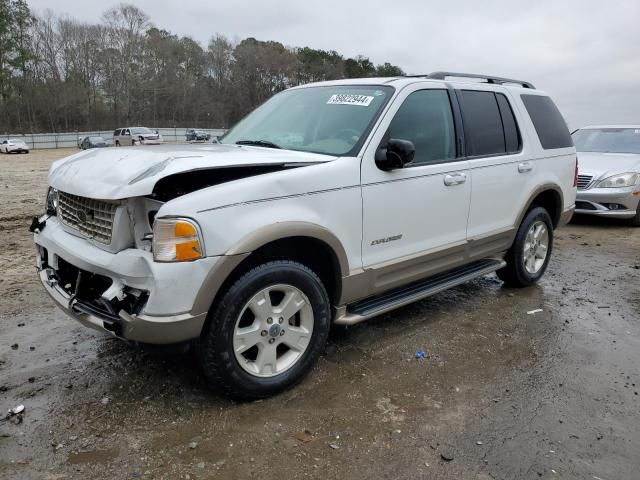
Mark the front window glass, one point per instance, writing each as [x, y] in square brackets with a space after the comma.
[425, 119]
[618, 140]
[331, 120]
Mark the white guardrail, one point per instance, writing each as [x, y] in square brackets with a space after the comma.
[70, 140]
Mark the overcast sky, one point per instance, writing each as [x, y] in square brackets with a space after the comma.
[584, 53]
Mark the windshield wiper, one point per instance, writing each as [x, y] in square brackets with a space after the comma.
[258, 143]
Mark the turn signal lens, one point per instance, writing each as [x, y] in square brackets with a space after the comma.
[176, 240]
[575, 175]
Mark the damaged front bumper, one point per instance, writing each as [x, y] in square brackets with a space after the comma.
[126, 294]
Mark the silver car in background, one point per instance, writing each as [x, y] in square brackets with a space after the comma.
[609, 171]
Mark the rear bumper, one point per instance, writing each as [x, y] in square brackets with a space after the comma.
[566, 216]
[601, 202]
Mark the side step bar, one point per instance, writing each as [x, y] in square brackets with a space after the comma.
[371, 307]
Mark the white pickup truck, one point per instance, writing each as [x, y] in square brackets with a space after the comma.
[331, 203]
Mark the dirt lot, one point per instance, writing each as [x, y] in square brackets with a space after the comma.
[503, 394]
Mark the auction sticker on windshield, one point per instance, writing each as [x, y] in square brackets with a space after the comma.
[349, 99]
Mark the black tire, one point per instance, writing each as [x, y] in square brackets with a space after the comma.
[215, 347]
[117, 143]
[515, 274]
[635, 221]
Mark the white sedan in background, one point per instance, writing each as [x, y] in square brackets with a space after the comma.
[14, 145]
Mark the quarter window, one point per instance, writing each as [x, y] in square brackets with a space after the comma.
[425, 118]
[550, 126]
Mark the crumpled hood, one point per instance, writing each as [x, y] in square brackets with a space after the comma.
[602, 165]
[117, 173]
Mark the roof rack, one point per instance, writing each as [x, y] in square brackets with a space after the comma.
[487, 78]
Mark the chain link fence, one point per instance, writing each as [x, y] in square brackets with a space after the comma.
[69, 140]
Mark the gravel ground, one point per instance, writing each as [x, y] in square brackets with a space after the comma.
[502, 394]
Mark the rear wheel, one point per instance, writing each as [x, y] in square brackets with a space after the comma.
[528, 257]
[267, 331]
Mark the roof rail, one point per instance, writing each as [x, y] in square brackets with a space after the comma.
[487, 78]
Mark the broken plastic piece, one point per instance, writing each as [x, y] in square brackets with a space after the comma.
[16, 410]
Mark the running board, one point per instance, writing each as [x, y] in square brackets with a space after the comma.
[371, 307]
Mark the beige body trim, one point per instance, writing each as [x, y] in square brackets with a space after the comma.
[282, 230]
[540, 189]
[386, 276]
[362, 283]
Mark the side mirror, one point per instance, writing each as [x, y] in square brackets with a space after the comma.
[395, 154]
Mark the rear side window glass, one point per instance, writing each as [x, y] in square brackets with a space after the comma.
[482, 123]
[511, 133]
[550, 126]
[425, 118]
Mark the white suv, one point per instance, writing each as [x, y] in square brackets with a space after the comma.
[331, 203]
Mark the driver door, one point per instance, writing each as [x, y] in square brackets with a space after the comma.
[415, 218]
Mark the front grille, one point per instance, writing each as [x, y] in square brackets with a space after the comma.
[92, 218]
[584, 181]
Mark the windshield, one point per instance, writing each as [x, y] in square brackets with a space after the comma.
[139, 130]
[331, 120]
[96, 139]
[618, 140]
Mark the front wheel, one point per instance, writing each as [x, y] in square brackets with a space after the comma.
[267, 331]
[528, 257]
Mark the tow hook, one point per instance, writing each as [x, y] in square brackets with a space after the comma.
[51, 277]
[36, 225]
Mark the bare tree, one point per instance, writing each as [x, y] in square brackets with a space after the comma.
[57, 73]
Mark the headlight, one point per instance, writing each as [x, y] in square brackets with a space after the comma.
[52, 201]
[617, 181]
[176, 240]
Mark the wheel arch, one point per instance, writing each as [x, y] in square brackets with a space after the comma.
[548, 196]
[307, 243]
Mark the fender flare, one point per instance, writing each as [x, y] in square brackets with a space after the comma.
[253, 241]
[534, 194]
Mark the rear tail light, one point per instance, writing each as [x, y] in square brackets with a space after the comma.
[575, 176]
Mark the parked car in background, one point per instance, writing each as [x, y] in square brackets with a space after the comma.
[333, 202]
[609, 171]
[195, 135]
[92, 142]
[123, 137]
[14, 145]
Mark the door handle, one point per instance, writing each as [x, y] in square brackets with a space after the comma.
[455, 179]
[525, 167]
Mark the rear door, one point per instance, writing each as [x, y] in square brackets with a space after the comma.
[125, 138]
[502, 170]
[415, 218]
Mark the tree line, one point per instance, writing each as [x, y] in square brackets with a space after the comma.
[60, 74]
